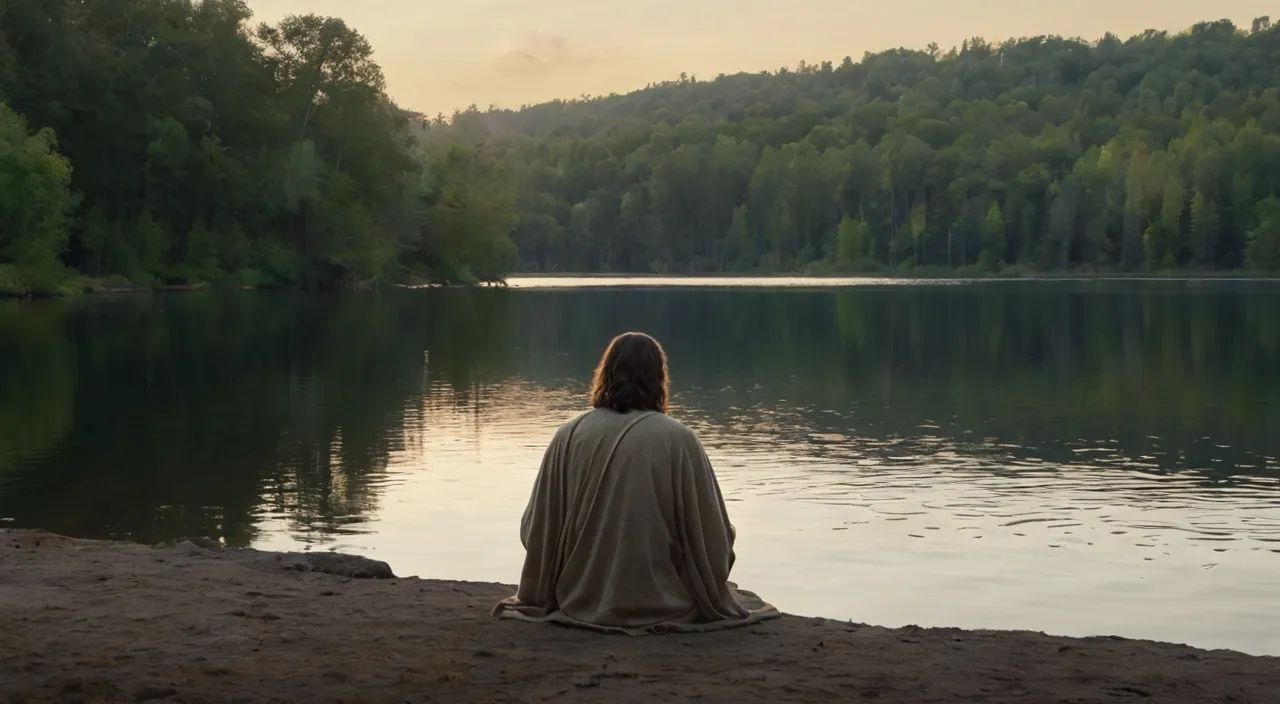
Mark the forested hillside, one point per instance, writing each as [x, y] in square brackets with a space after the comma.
[1159, 152]
[172, 142]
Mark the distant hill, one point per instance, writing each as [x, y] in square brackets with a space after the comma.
[1157, 152]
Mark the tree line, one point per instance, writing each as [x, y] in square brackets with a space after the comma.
[171, 142]
[1156, 153]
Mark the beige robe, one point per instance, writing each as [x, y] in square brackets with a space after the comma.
[626, 531]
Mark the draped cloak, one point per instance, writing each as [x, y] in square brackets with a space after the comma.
[626, 531]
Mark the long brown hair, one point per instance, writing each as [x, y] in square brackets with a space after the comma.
[631, 376]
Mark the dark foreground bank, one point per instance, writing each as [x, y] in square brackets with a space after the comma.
[86, 621]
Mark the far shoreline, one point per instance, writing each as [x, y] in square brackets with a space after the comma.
[811, 279]
[930, 276]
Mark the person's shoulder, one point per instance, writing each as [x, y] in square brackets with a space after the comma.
[568, 426]
[565, 431]
[650, 424]
[671, 427]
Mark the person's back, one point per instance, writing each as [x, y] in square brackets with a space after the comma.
[626, 528]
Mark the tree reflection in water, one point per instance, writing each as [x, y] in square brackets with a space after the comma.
[152, 417]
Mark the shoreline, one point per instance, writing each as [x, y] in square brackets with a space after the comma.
[924, 276]
[939, 275]
[85, 621]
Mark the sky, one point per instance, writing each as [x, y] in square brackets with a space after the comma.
[438, 56]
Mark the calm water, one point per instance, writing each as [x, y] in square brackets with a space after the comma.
[1076, 457]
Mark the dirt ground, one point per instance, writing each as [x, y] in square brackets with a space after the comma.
[85, 621]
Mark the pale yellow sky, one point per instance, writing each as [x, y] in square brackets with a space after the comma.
[438, 56]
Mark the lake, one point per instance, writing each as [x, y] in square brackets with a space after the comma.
[1078, 457]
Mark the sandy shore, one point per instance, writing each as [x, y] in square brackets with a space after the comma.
[86, 621]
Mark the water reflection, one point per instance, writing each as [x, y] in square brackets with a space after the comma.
[1074, 456]
[149, 418]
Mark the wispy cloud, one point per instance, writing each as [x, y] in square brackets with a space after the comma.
[542, 53]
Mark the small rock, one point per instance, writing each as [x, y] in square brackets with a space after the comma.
[336, 676]
[190, 543]
[352, 566]
[587, 682]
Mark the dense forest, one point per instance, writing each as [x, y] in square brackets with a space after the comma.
[172, 142]
[1156, 153]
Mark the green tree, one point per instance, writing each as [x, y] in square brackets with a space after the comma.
[466, 214]
[204, 151]
[34, 203]
[1264, 238]
[1204, 230]
[851, 242]
[738, 248]
[993, 239]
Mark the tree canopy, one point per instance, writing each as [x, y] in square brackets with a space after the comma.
[1159, 152]
[169, 142]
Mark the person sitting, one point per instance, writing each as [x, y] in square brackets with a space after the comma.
[626, 529]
